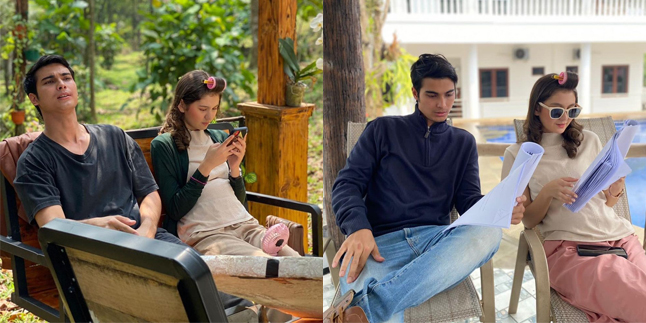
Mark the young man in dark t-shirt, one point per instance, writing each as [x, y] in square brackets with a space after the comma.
[94, 174]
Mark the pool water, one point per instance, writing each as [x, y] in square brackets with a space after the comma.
[635, 181]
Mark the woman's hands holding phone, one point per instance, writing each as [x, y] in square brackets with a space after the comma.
[217, 154]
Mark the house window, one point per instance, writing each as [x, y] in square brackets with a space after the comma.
[494, 83]
[538, 71]
[615, 79]
[573, 69]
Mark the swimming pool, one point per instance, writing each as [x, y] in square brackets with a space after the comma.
[635, 181]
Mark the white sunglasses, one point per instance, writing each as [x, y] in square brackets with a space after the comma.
[557, 112]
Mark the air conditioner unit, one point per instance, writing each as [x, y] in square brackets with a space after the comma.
[576, 54]
[521, 53]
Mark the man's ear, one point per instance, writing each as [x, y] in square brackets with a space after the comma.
[33, 98]
[415, 94]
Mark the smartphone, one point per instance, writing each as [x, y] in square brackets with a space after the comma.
[593, 251]
[235, 134]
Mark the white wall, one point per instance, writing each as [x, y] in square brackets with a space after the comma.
[554, 58]
[618, 54]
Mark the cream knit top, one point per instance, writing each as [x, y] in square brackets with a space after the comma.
[218, 206]
[595, 221]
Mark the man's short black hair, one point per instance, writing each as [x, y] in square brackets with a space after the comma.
[29, 84]
[431, 66]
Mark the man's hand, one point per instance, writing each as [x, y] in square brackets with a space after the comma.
[114, 222]
[358, 246]
[519, 209]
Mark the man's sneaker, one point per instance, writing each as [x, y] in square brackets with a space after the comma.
[275, 239]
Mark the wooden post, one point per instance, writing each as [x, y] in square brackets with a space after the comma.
[276, 19]
[278, 135]
[277, 153]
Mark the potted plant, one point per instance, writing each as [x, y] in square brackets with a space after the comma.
[295, 88]
[18, 117]
[18, 112]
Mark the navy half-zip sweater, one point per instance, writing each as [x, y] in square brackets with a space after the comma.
[402, 174]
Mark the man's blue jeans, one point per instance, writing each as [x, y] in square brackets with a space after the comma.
[420, 263]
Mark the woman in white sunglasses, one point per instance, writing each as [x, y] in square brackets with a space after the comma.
[607, 287]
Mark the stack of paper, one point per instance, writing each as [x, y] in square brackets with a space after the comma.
[495, 208]
[607, 168]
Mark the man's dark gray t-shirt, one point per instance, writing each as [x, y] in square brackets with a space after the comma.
[106, 180]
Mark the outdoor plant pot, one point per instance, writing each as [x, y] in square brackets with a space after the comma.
[294, 94]
[18, 117]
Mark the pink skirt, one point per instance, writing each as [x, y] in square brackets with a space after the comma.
[608, 288]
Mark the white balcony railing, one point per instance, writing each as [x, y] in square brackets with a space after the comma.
[511, 8]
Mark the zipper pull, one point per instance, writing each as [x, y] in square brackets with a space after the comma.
[428, 132]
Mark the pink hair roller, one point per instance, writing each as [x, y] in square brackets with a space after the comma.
[562, 78]
[211, 82]
[275, 239]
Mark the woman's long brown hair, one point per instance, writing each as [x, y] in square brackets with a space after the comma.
[190, 88]
[543, 89]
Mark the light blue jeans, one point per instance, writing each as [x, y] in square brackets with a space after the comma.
[420, 263]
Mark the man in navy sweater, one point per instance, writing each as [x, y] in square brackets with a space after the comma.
[394, 197]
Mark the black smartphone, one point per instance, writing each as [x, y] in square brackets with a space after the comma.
[585, 250]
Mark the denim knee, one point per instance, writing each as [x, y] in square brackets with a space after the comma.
[486, 239]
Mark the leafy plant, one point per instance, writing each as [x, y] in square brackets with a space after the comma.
[291, 65]
[16, 40]
[108, 42]
[183, 35]
[62, 29]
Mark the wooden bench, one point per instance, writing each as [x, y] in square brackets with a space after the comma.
[35, 289]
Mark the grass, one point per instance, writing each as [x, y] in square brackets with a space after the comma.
[10, 312]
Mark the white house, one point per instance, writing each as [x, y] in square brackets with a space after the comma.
[501, 47]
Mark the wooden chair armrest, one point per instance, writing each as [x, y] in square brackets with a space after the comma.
[637, 150]
[490, 149]
[295, 232]
[314, 210]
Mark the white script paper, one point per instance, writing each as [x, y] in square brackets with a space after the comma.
[607, 168]
[495, 208]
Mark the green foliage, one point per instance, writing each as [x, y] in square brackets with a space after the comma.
[395, 82]
[308, 9]
[291, 65]
[389, 83]
[183, 35]
[63, 29]
[108, 42]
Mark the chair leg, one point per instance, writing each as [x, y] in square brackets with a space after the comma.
[541, 276]
[488, 294]
[519, 271]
